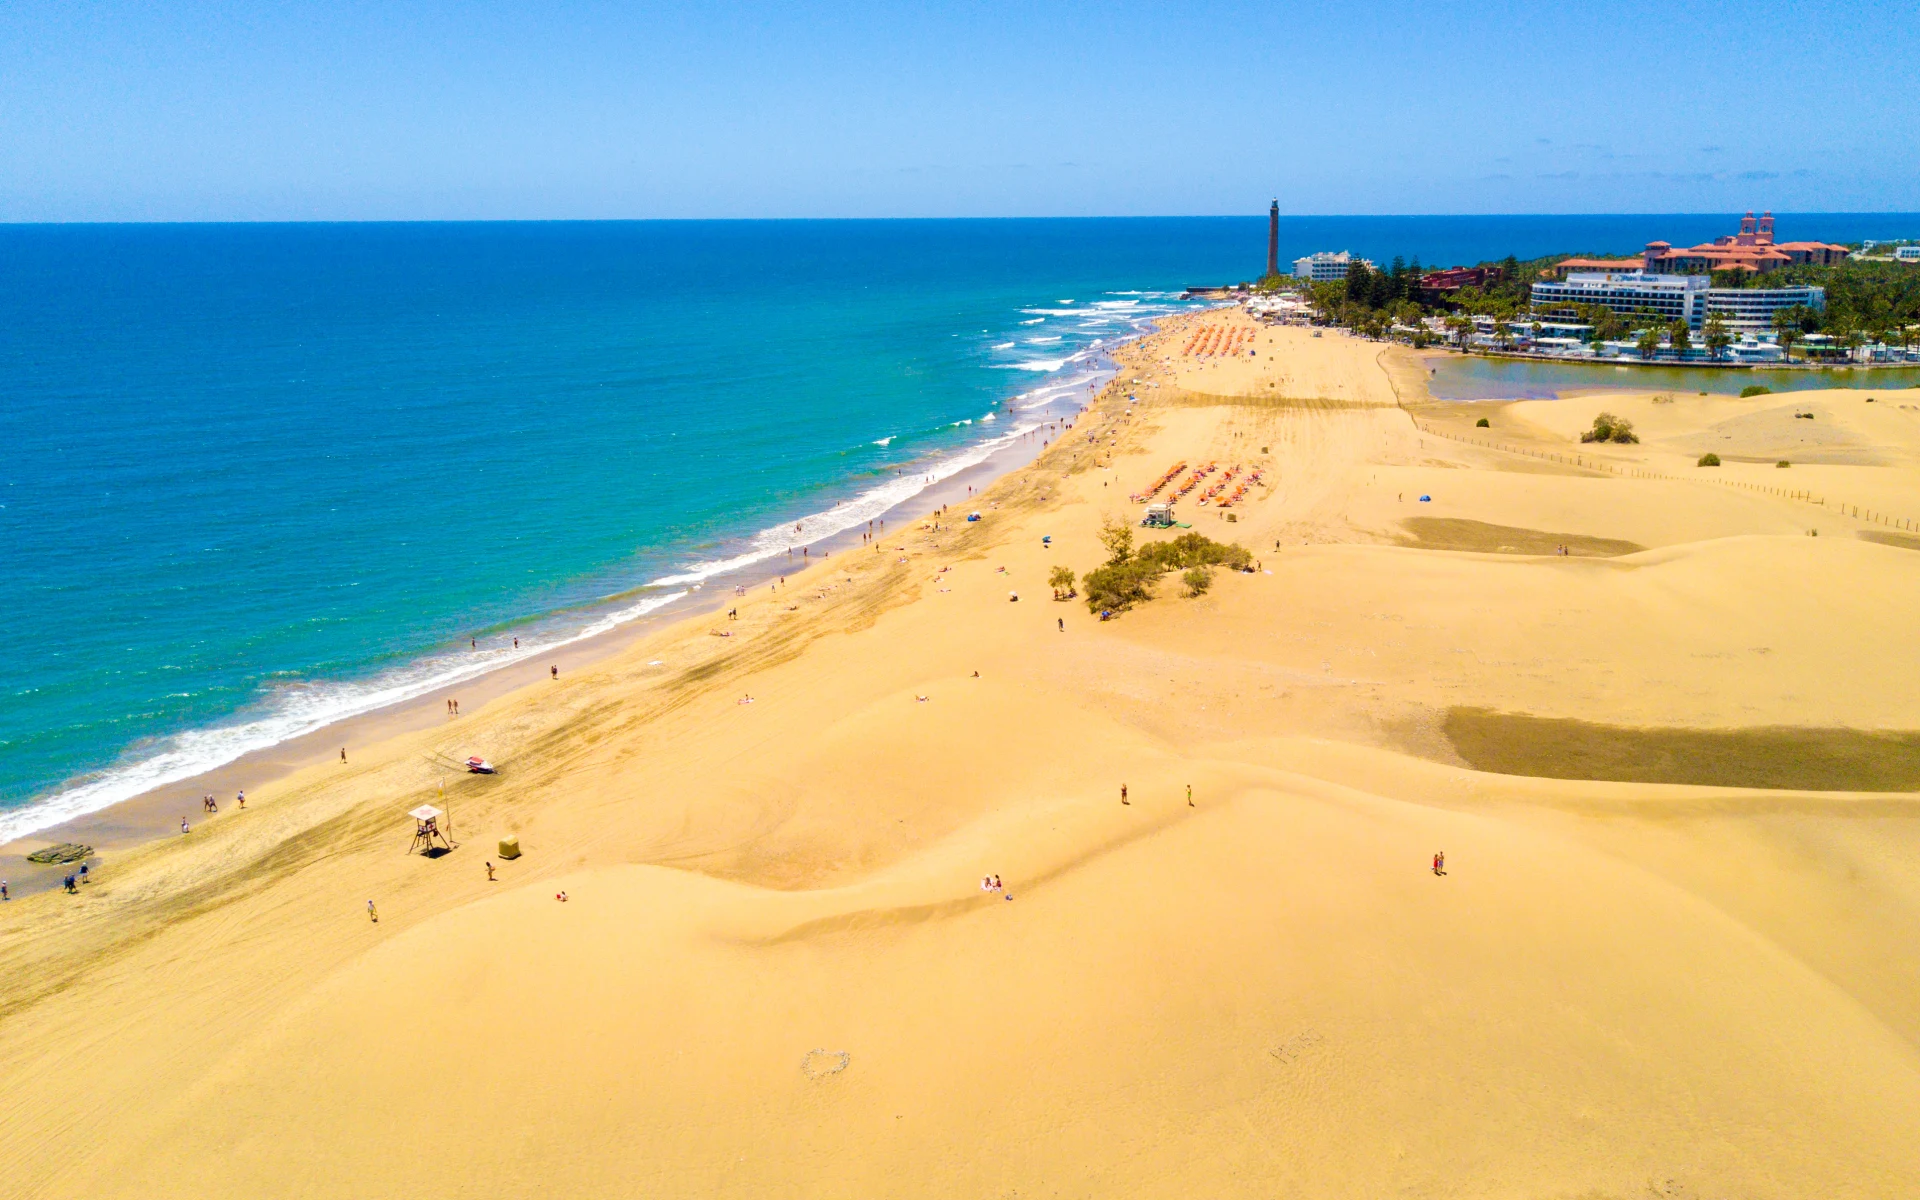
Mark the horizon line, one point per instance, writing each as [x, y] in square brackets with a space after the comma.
[1251, 215]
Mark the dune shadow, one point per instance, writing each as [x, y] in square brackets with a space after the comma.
[1457, 533]
[1786, 757]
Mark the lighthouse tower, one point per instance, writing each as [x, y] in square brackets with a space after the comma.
[1273, 240]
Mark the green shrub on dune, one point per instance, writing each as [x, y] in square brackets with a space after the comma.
[1128, 577]
[1060, 579]
[1609, 428]
[1755, 389]
[1709, 460]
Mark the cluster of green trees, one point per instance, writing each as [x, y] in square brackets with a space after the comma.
[1371, 301]
[1878, 301]
[1128, 576]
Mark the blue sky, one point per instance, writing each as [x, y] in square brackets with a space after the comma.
[403, 110]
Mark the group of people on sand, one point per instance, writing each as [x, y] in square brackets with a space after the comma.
[210, 805]
[991, 883]
[453, 708]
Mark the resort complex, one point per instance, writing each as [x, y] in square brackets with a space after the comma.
[1742, 299]
[1689, 298]
[1752, 251]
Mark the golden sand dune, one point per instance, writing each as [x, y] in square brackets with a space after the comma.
[776, 972]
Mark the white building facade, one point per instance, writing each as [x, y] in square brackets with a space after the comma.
[1669, 297]
[1328, 264]
[1751, 309]
[1689, 298]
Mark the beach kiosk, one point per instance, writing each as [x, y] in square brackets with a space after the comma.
[428, 836]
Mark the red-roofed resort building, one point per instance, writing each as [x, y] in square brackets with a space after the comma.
[1752, 250]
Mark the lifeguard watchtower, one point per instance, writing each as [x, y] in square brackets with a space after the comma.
[428, 837]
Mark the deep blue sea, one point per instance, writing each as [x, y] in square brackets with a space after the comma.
[255, 478]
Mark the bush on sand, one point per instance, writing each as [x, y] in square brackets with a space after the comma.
[1125, 581]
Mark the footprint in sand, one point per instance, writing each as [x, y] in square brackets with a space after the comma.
[1291, 1050]
[818, 1064]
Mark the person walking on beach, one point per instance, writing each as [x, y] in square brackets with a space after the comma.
[241, 799]
[4, 894]
[489, 872]
[1063, 624]
[83, 874]
[183, 825]
[373, 914]
[71, 890]
[1123, 795]
[556, 671]
[1189, 795]
[343, 754]
[1440, 863]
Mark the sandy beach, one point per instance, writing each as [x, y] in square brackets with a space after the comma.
[1672, 769]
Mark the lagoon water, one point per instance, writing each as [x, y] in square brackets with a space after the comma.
[1478, 378]
[260, 477]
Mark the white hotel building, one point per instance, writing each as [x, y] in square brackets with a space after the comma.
[1328, 264]
[1691, 298]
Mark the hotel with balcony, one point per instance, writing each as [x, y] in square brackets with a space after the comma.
[1689, 298]
[1328, 264]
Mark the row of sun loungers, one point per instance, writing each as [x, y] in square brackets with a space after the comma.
[1164, 480]
[1217, 339]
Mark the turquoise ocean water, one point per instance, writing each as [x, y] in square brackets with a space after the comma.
[257, 478]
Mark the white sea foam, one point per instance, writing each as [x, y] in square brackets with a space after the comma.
[868, 505]
[1003, 345]
[294, 710]
[1040, 341]
[1038, 364]
[1034, 321]
[883, 441]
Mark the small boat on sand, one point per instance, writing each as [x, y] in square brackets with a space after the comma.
[479, 766]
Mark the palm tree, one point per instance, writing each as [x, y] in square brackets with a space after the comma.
[1786, 329]
[1718, 338]
[1649, 343]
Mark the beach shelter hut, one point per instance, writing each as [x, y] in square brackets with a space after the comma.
[428, 836]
